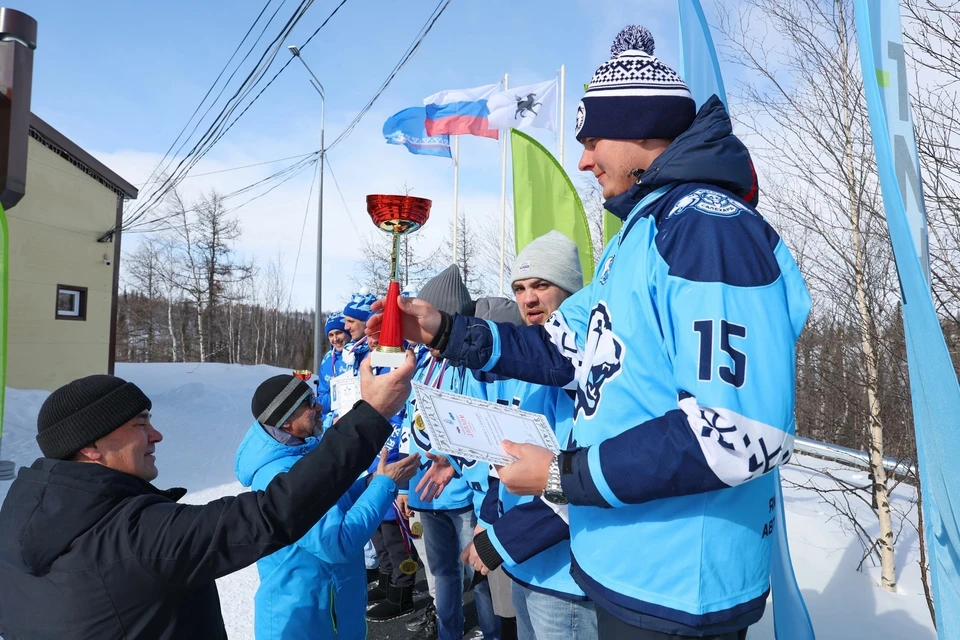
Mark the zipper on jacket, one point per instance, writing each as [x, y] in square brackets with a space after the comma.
[333, 610]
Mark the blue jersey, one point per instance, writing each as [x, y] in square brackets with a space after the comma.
[681, 359]
[456, 495]
[540, 562]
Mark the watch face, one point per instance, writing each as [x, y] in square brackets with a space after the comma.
[554, 497]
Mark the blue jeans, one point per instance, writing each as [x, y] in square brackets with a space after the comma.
[545, 617]
[445, 535]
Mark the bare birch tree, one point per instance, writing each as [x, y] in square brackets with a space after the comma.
[805, 116]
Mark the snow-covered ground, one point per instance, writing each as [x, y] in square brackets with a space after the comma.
[204, 410]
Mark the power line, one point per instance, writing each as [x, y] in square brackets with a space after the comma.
[246, 166]
[434, 16]
[346, 208]
[188, 161]
[279, 178]
[296, 263]
[212, 87]
[222, 122]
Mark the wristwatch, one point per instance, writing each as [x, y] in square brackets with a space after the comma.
[554, 490]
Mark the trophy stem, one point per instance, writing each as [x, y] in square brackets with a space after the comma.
[390, 353]
[395, 256]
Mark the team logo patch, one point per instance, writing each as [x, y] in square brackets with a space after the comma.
[607, 266]
[709, 202]
[581, 116]
[603, 354]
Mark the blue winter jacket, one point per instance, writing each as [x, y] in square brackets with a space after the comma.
[456, 495]
[680, 355]
[540, 562]
[316, 588]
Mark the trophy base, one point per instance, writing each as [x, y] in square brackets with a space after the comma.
[391, 359]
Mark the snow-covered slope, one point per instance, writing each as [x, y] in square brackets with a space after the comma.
[204, 410]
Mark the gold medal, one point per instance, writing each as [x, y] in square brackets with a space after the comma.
[409, 567]
[418, 421]
[416, 529]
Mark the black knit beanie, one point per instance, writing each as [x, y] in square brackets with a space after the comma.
[80, 413]
[277, 397]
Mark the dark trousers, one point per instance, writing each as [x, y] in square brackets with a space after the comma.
[388, 541]
[610, 627]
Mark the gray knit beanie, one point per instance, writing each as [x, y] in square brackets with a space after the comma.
[447, 293]
[552, 257]
[499, 310]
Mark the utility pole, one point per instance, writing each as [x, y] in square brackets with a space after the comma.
[318, 319]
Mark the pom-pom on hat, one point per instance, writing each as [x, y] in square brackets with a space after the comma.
[359, 306]
[633, 95]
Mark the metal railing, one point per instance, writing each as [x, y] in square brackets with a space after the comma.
[836, 453]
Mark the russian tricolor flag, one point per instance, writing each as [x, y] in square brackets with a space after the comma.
[460, 112]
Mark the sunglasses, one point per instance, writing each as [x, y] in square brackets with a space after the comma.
[311, 400]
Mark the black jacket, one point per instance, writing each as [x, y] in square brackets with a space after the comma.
[87, 552]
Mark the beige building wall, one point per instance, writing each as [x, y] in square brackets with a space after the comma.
[53, 241]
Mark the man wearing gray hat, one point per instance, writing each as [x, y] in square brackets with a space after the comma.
[530, 541]
[545, 273]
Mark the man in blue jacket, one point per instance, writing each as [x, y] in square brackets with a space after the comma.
[316, 587]
[355, 315]
[680, 356]
[332, 364]
[531, 540]
[446, 513]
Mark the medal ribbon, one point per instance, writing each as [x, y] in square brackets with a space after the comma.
[404, 528]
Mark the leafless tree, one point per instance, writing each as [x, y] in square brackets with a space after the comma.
[805, 117]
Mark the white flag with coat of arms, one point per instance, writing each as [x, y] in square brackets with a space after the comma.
[532, 105]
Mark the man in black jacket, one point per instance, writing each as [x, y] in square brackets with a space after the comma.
[90, 549]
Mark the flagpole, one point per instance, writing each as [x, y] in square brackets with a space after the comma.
[563, 86]
[503, 191]
[456, 191]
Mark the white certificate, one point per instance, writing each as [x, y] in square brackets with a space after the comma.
[473, 429]
[344, 392]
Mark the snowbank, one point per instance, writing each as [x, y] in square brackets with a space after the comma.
[204, 410]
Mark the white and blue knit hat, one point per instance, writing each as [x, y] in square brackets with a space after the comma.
[334, 321]
[634, 96]
[359, 306]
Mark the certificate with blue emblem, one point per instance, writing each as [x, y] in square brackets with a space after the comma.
[473, 429]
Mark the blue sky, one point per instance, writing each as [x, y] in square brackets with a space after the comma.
[122, 78]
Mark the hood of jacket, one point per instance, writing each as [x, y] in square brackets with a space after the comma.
[53, 502]
[707, 152]
[259, 449]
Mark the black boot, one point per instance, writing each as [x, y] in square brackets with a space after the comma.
[379, 592]
[425, 618]
[399, 602]
[373, 575]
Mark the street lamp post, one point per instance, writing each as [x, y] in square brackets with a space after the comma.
[318, 319]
